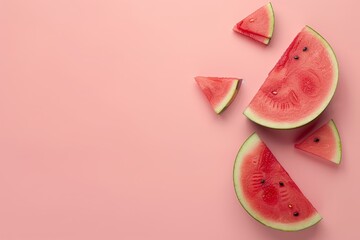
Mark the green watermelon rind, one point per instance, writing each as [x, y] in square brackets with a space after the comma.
[250, 144]
[282, 125]
[271, 20]
[229, 98]
[338, 157]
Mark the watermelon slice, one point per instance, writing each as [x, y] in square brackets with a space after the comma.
[219, 91]
[267, 192]
[324, 142]
[299, 87]
[259, 25]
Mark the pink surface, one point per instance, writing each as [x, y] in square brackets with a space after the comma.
[104, 133]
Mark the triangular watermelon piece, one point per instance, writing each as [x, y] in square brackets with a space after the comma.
[324, 142]
[259, 25]
[219, 91]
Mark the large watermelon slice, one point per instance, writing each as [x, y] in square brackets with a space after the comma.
[299, 87]
[259, 25]
[324, 142]
[266, 190]
[219, 91]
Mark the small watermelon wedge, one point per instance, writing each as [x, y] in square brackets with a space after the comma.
[324, 142]
[299, 87]
[219, 91]
[259, 25]
[267, 192]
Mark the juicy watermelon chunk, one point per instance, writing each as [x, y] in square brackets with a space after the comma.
[258, 38]
[220, 92]
[324, 142]
[259, 25]
[299, 87]
[267, 192]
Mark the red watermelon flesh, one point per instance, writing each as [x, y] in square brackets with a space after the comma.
[267, 192]
[258, 38]
[219, 91]
[259, 25]
[324, 142]
[299, 87]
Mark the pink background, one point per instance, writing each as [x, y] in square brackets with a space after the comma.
[105, 135]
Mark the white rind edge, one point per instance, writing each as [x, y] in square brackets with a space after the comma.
[337, 158]
[251, 143]
[272, 21]
[228, 98]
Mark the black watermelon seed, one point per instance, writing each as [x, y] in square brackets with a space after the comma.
[296, 57]
[316, 140]
[304, 49]
[281, 184]
[296, 214]
[262, 180]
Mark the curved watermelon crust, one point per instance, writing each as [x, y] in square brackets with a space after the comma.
[299, 87]
[219, 91]
[259, 25]
[266, 191]
[324, 142]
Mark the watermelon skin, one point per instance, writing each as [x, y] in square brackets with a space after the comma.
[219, 91]
[324, 142]
[266, 191]
[259, 25]
[299, 87]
